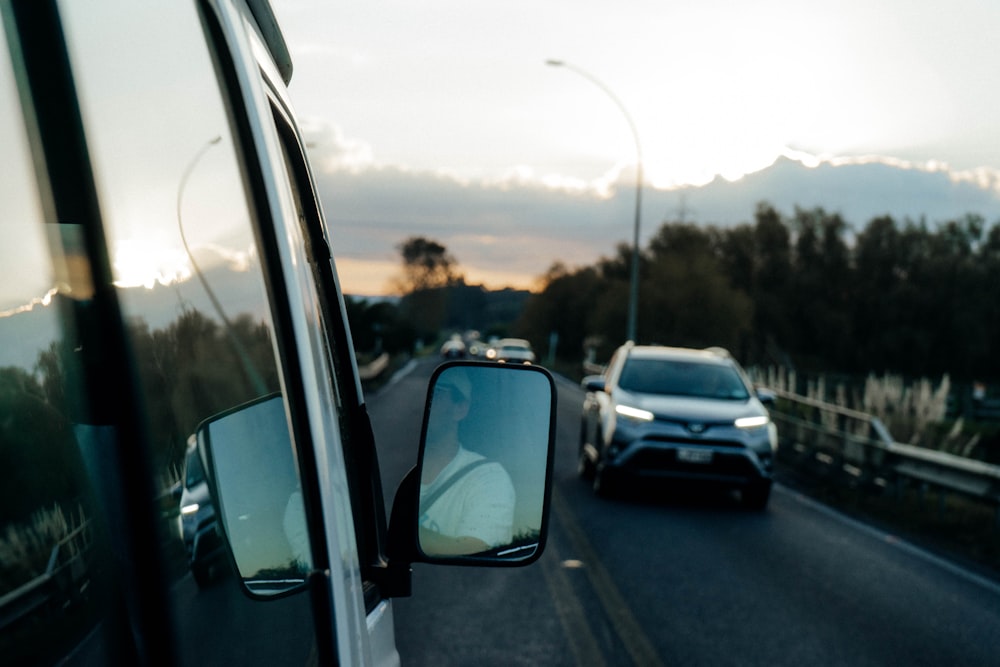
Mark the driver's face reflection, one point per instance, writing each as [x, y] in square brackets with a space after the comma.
[450, 401]
[445, 391]
[449, 406]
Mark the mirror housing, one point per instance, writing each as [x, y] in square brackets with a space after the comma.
[479, 493]
[254, 484]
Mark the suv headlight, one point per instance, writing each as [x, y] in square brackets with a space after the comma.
[634, 414]
[752, 422]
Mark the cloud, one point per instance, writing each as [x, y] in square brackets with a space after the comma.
[330, 150]
[521, 225]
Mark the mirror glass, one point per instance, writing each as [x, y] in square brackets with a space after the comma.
[484, 462]
[258, 499]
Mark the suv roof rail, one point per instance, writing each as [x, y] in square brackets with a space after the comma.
[270, 31]
[720, 351]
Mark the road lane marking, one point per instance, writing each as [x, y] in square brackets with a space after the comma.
[638, 645]
[586, 651]
[893, 540]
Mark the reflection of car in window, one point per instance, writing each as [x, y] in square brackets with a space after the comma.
[677, 415]
[161, 281]
[197, 521]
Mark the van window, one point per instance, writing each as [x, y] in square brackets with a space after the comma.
[184, 250]
[51, 523]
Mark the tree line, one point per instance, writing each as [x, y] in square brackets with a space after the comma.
[434, 300]
[805, 291]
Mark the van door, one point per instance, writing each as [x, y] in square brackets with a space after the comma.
[146, 293]
[347, 489]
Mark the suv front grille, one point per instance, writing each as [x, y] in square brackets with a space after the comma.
[732, 463]
[693, 442]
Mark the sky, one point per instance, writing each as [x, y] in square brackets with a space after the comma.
[442, 119]
[714, 87]
[459, 93]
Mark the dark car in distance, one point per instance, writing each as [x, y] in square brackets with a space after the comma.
[677, 415]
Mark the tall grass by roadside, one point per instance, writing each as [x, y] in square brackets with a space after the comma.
[25, 547]
[914, 411]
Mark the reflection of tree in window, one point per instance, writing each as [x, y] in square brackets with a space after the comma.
[191, 371]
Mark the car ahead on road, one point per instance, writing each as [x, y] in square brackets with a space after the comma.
[677, 414]
[453, 348]
[176, 281]
[512, 350]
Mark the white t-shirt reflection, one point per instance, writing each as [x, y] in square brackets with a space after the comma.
[479, 503]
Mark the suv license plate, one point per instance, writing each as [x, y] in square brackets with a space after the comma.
[695, 455]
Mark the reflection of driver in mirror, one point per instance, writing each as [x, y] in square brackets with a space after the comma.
[466, 500]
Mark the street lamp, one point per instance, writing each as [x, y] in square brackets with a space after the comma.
[633, 301]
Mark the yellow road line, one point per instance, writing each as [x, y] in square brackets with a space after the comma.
[586, 651]
[638, 645]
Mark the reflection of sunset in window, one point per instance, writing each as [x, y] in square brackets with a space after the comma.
[143, 264]
[44, 300]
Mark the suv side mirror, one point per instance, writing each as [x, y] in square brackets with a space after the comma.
[766, 396]
[479, 494]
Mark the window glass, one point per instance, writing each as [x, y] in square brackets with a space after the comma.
[54, 554]
[187, 266]
[682, 378]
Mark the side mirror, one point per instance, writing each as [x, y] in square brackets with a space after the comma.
[766, 396]
[479, 494]
[593, 383]
[254, 484]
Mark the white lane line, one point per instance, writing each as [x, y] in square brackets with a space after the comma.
[895, 541]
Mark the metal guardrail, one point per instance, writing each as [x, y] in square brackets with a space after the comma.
[61, 578]
[861, 446]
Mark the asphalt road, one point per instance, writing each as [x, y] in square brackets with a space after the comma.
[674, 580]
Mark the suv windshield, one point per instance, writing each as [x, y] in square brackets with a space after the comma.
[682, 378]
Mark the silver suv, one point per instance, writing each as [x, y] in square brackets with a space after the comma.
[675, 414]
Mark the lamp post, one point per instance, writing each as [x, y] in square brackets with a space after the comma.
[633, 300]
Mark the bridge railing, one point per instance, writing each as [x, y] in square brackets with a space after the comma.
[858, 445]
